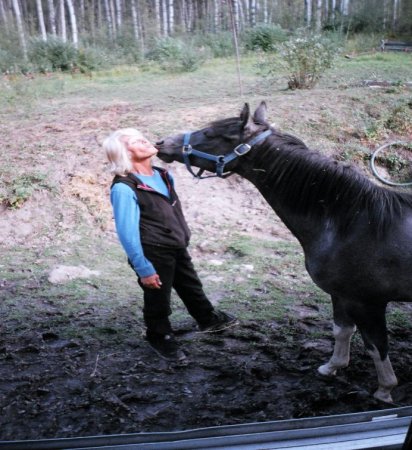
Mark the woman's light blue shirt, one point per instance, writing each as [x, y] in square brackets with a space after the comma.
[126, 212]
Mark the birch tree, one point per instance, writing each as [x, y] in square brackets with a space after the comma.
[171, 17]
[344, 7]
[164, 17]
[40, 16]
[20, 29]
[73, 23]
[63, 32]
[52, 17]
[395, 16]
[108, 18]
[157, 17]
[265, 11]
[3, 16]
[308, 12]
[252, 5]
[119, 14]
[134, 20]
[319, 15]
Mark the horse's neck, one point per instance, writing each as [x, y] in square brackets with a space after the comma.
[303, 226]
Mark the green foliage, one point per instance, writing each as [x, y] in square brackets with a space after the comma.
[306, 58]
[173, 55]
[53, 54]
[15, 192]
[400, 119]
[219, 44]
[264, 37]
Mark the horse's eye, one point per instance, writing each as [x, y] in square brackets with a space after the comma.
[209, 134]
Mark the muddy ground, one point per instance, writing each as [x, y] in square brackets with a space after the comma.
[53, 387]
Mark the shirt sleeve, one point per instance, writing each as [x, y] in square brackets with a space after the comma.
[127, 219]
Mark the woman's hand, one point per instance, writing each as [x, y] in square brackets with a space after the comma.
[152, 282]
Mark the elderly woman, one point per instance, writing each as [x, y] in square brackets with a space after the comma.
[154, 234]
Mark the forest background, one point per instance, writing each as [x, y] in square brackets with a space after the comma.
[85, 35]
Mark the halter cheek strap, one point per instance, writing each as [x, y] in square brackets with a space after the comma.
[220, 160]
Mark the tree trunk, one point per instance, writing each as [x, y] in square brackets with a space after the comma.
[395, 17]
[119, 14]
[109, 19]
[113, 17]
[216, 26]
[158, 18]
[63, 32]
[171, 25]
[82, 16]
[386, 14]
[3, 17]
[164, 17]
[40, 15]
[252, 6]
[344, 7]
[73, 23]
[134, 20]
[308, 12]
[333, 11]
[52, 17]
[20, 29]
[319, 15]
[235, 12]
[265, 11]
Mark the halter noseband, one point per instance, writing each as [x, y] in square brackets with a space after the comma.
[220, 160]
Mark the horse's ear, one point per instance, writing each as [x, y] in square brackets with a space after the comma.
[245, 114]
[260, 113]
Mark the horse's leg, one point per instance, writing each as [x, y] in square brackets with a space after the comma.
[372, 326]
[343, 329]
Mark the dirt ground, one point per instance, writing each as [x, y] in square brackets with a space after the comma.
[55, 386]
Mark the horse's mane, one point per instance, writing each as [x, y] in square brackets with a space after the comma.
[315, 184]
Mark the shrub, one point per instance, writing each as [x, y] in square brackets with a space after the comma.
[264, 37]
[175, 56]
[17, 191]
[53, 54]
[306, 58]
[400, 119]
[220, 44]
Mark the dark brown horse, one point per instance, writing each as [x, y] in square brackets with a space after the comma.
[356, 235]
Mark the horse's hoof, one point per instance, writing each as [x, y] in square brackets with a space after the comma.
[383, 396]
[326, 371]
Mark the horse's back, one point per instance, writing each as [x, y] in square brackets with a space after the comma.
[362, 263]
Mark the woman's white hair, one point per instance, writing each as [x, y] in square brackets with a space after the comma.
[116, 151]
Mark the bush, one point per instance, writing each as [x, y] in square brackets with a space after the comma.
[220, 44]
[264, 37]
[400, 119]
[175, 56]
[306, 58]
[53, 54]
[8, 61]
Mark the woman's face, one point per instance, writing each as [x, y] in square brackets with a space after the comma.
[139, 147]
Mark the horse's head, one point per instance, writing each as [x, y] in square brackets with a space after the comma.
[218, 147]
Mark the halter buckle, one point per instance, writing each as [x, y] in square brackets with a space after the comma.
[242, 149]
[187, 149]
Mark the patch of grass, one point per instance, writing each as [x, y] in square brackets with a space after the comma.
[263, 279]
[16, 191]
